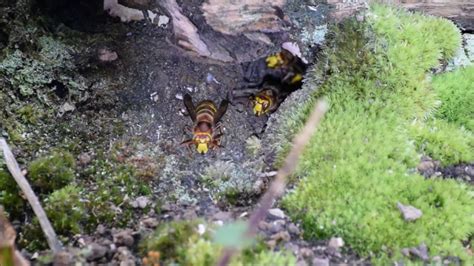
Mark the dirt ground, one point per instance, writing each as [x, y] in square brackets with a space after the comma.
[136, 100]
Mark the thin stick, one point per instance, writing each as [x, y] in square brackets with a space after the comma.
[278, 185]
[14, 169]
[9, 255]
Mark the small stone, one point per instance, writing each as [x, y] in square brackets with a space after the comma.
[179, 96]
[409, 213]
[271, 243]
[163, 20]
[425, 166]
[281, 236]
[421, 252]
[96, 252]
[150, 222]
[336, 243]
[106, 55]
[100, 229]
[201, 229]
[66, 107]
[154, 96]
[210, 78]
[405, 252]
[62, 258]
[264, 226]
[190, 215]
[301, 263]
[318, 261]
[224, 216]
[124, 238]
[84, 158]
[293, 248]
[278, 213]
[190, 89]
[436, 260]
[277, 226]
[124, 256]
[167, 207]
[360, 18]
[293, 229]
[306, 252]
[242, 215]
[140, 202]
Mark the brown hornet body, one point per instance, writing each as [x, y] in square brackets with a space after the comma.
[207, 128]
[283, 68]
[270, 80]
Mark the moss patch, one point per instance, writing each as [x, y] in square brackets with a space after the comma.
[52, 171]
[457, 96]
[361, 161]
[180, 243]
[66, 210]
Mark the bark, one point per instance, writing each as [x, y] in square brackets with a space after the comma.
[460, 11]
[236, 17]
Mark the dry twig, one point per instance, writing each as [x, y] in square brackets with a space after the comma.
[8, 254]
[14, 169]
[277, 187]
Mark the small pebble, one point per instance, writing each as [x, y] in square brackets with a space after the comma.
[336, 242]
[409, 213]
[163, 21]
[318, 261]
[278, 213]
[179, 96]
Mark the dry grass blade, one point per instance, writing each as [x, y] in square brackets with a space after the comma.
[14, 169]
[8, 254]
[278, 185]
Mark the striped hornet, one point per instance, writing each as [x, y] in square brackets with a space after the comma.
[266, 100]
[207, 129]
[282, 67]
[271, 79]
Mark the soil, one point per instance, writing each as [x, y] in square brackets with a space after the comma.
[142, 90]
[141, 93]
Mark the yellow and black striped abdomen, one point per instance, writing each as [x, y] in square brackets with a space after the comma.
[205, 112]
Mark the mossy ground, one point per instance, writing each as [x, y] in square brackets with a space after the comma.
[383, 116]
[132, 140]
[182, 243]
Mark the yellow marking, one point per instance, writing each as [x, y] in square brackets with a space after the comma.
[274, 60]
[258, 108]
[296, 78]
[202, 148]
[207, 105]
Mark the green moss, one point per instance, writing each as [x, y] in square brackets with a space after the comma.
[10, 197]
[52, 171]
[66, 210]
[31, 237]
[457, 96]
[180, 243]
[444, 141]
[29, 114]
[360, 163]
[230, 184]
[114, 181]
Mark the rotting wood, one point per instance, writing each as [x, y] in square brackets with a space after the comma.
[187, 36]
[277, 187]
[20, 179]
[8, 254]
[245, 16]
[460, 11]
[341, 9]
